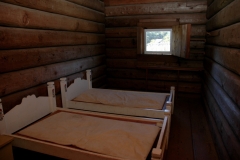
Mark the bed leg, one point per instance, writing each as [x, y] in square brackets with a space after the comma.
[173, 98]
[89, 78]
[51, 96]
[2, 122]
[63, 84]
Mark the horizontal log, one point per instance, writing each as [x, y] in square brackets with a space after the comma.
[228, 36]
[157, 86]
[221, 150]
[198, 31]
[185, 76]
[16, 16]
[229, 81]
[216, 6]
[227, 57]
[128, 2]
[16, 38]
[93, 4]
[230, 110]
[121, 63]
[194, 56]
[131, 21]
[157, 8]
[14, 99]
[121, 43]
[121, 32]
[12, 60]
[197, 44]
[225, 17]
[229, 139]
[209, 2]
[35, 76]
[61, 7]
[100, 81]
[121, 53]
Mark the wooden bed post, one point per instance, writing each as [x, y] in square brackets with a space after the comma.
[2, 122]
[51, 96]
[168, 113]
[63, 84]
[173, 98]
[89, 78]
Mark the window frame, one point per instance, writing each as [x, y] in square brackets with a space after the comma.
[156, 52]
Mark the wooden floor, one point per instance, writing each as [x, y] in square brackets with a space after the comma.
[190, 137]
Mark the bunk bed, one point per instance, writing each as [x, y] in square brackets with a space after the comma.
[81, 95]
[38, 125]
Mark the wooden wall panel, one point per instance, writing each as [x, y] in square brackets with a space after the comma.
[44, 40]
[122, 22]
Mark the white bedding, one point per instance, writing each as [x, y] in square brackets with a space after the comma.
[122, 139]
[123, 98]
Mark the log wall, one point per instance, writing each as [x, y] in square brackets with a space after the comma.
[222, 76]
[123, 62]
[45, 40]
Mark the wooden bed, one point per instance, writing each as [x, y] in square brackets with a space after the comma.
[80, 87]
[35, 112]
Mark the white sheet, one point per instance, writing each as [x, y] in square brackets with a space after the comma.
[123, 98]
[111, 137]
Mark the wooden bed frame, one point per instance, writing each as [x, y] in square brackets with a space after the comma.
[32, 109]
[80, 85]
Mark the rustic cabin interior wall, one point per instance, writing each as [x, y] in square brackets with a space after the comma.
[42, 41]
[123, 62]
[222, 76]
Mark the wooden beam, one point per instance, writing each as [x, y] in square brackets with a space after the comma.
[227, 57]
[121, 63]
[197, 44]
[229, 81]
[227, 16]
[16, 38]
[121, 32]
[35, 76]
[61, 7]
[16, 16]
[216, 6]
[93, 4]
[121, 53]
[12, 60]
[131, 21]
[229, 139]
[230, 110]
[121, 43]
[157, 8]
[228, 36]
[198, 31]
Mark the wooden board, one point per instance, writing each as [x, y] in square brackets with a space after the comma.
[93, 4]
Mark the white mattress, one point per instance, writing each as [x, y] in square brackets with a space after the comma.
[121, 139]
[123, 98]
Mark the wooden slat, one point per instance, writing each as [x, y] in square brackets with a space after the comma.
[128, 2]
[15, 16]
[229, 81]
[121, 43]
[216, 6]
[121, 53]
[12, 60]
[157, 86]
[93, 4]
[157, 8]
[61, 7]
[230, 110]
[31, 77]
[228, 36]
[130, 21]
[232, 145]
[121, 32]
[221, 150]
[225, 17]
[184, 76]
[13, 38]
[227, 57]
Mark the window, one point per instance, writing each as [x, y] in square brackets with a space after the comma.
[157, 41]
